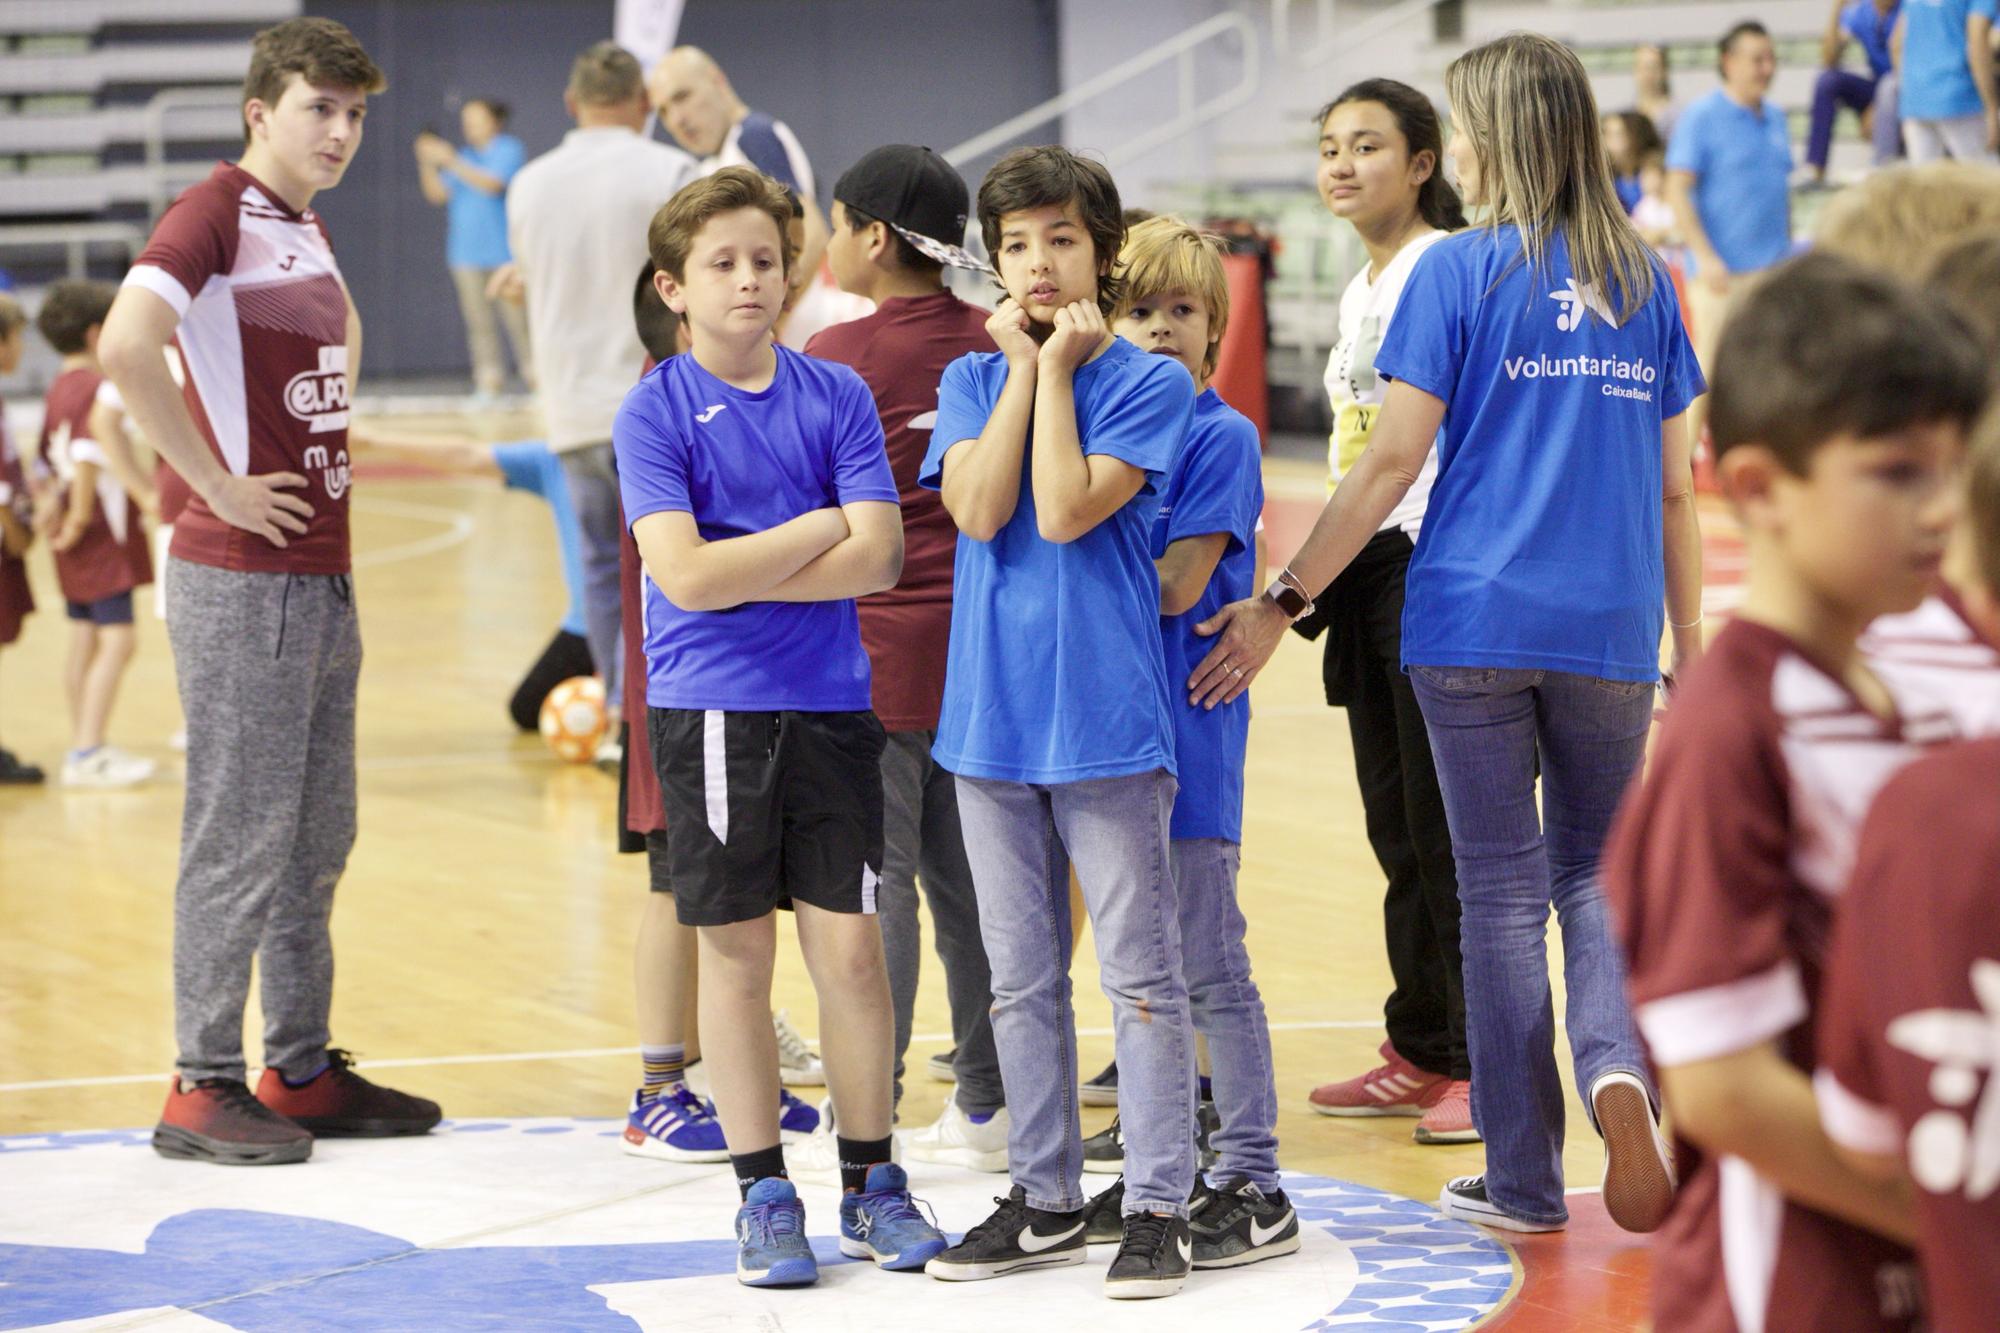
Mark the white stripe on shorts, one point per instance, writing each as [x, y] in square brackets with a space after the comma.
[869, 880]
[715, 775]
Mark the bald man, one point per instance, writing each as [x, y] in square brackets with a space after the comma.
[695, 101]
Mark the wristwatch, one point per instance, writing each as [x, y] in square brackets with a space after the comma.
[1290, 594]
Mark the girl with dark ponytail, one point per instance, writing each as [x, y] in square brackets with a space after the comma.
[1381, 169]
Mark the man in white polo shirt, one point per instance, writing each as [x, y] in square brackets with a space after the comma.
[576, 222]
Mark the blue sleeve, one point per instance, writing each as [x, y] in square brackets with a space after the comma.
[1222, 486]
[760, 143]
[504, 156]
[1688, 149]
[1850, 22]
[963, 407]
[652, 458]
[1426, 340]
[1983, 9]
[522, 464]
[1681, 380]
[1147, 424]
[860, 457]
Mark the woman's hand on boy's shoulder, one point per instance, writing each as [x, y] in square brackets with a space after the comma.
[1008, 328]
[1079, 331]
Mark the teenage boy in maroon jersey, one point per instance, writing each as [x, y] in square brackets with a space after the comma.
[1841, 403]
[240, 276]
[898, 219]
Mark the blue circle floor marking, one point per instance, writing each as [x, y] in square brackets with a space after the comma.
[529, 1225]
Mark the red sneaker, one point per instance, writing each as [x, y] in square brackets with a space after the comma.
[217, 1120]
[339, 1103]
[1450, 1118]
[1395, 1088]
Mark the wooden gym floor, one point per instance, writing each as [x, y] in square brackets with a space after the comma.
[484, 925]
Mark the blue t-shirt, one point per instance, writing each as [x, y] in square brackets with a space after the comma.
[1217, 485]
[742, 463]
[1541, 546]
[1872, 28]
[1937, 81]
[531, 466]
[1629, 191]
[475, 229]
[1742, 163]
[1055, 672]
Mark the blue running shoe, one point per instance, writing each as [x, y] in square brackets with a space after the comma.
[674, 1127]
[882, 1223]
[795, 1118]
[771, 1246]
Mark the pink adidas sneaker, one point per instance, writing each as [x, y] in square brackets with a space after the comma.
[1395, 1088]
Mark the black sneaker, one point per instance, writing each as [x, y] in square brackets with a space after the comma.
[1104, 1216]
[1240, 1224]
[1104, 1151]
[1154, 1258]
[1102, 1090]
[17, 774]
[1013, 1240]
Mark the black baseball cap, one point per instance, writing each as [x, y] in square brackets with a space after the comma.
[918, 193]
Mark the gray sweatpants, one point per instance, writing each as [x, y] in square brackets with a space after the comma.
[921, 839]
[267, 666]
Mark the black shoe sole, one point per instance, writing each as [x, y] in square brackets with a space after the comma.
[365, 1129]
[186, 1145]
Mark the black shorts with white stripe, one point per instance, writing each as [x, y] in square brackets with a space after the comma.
[767, 809]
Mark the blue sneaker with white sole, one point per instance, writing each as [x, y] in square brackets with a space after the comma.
[883, 1224]
[796, 1119]
[771, 1245]
[674, 1127]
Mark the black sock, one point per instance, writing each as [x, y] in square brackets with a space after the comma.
[856, 1156]
[751, 1167]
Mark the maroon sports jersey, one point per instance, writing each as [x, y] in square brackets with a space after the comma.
[16, 599]
[1724, 870]
[263, 337]
[901, 351]
[1910, 1028]
[112, 556]
[1934, 649]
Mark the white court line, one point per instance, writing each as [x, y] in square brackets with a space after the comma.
[458, 527]
[590, 1053]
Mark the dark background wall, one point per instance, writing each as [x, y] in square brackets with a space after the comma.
[846, 75]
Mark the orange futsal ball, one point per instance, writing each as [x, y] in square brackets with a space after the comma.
[573, 718]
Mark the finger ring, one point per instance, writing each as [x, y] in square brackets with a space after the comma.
[1236, 671]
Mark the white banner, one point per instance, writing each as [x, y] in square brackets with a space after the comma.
[647, 28]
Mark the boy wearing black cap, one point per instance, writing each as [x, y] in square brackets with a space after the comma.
[898, 218]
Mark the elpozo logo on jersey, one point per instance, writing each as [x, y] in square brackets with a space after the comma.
[319, 397]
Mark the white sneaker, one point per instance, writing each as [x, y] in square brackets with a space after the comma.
[696, 1077]
[178, 742]
[955, 1140]
[797, 1064]
[1638, 1167]
[106, 767]
[815, 1159]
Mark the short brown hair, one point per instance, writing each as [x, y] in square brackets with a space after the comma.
[322, 52]
[605, 75]
[1965, 275]
[1982, 499]
[69, 310]
[12, 316]
[1051, 176]
[670, 236]
[1822, 347]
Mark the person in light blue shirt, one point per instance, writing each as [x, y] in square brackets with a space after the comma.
[1561, 532]
[470, 183]
[1050, 455]
[1872, 96]
[1729, 164]
[1949, 104]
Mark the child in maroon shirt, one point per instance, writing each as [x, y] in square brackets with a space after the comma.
[17, 530]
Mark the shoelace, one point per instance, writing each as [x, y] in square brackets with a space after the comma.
[898, 1206]
[1012, 1211]
[236, 1096]
[793, 1052]
[1144, 1234]
[773, 1220]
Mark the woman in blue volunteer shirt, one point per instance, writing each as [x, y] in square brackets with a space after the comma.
[1548, 344]
[471, 184]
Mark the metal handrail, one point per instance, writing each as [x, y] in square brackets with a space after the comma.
[1180, 49]
[1358, 36]
[162, 103]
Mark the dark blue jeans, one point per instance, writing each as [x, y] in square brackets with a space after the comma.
[1487, 727]
[1835, 89]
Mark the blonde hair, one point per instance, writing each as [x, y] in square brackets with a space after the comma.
[12, 317]
[1898, 217]
[1525, 102]
[1165, 254]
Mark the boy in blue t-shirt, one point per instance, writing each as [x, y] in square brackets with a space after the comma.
[762, 504]
[1176, 304]
[1051, 454]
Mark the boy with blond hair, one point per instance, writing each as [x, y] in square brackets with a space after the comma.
[1839, 418]
[761, 500]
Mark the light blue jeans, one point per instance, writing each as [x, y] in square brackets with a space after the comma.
[1021, 839]
[1226, 1008]
[1487, 726]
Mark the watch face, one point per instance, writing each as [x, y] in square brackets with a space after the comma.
[1289, 599]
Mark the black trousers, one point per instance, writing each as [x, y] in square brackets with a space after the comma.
[567, 655]
[1362, 616]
